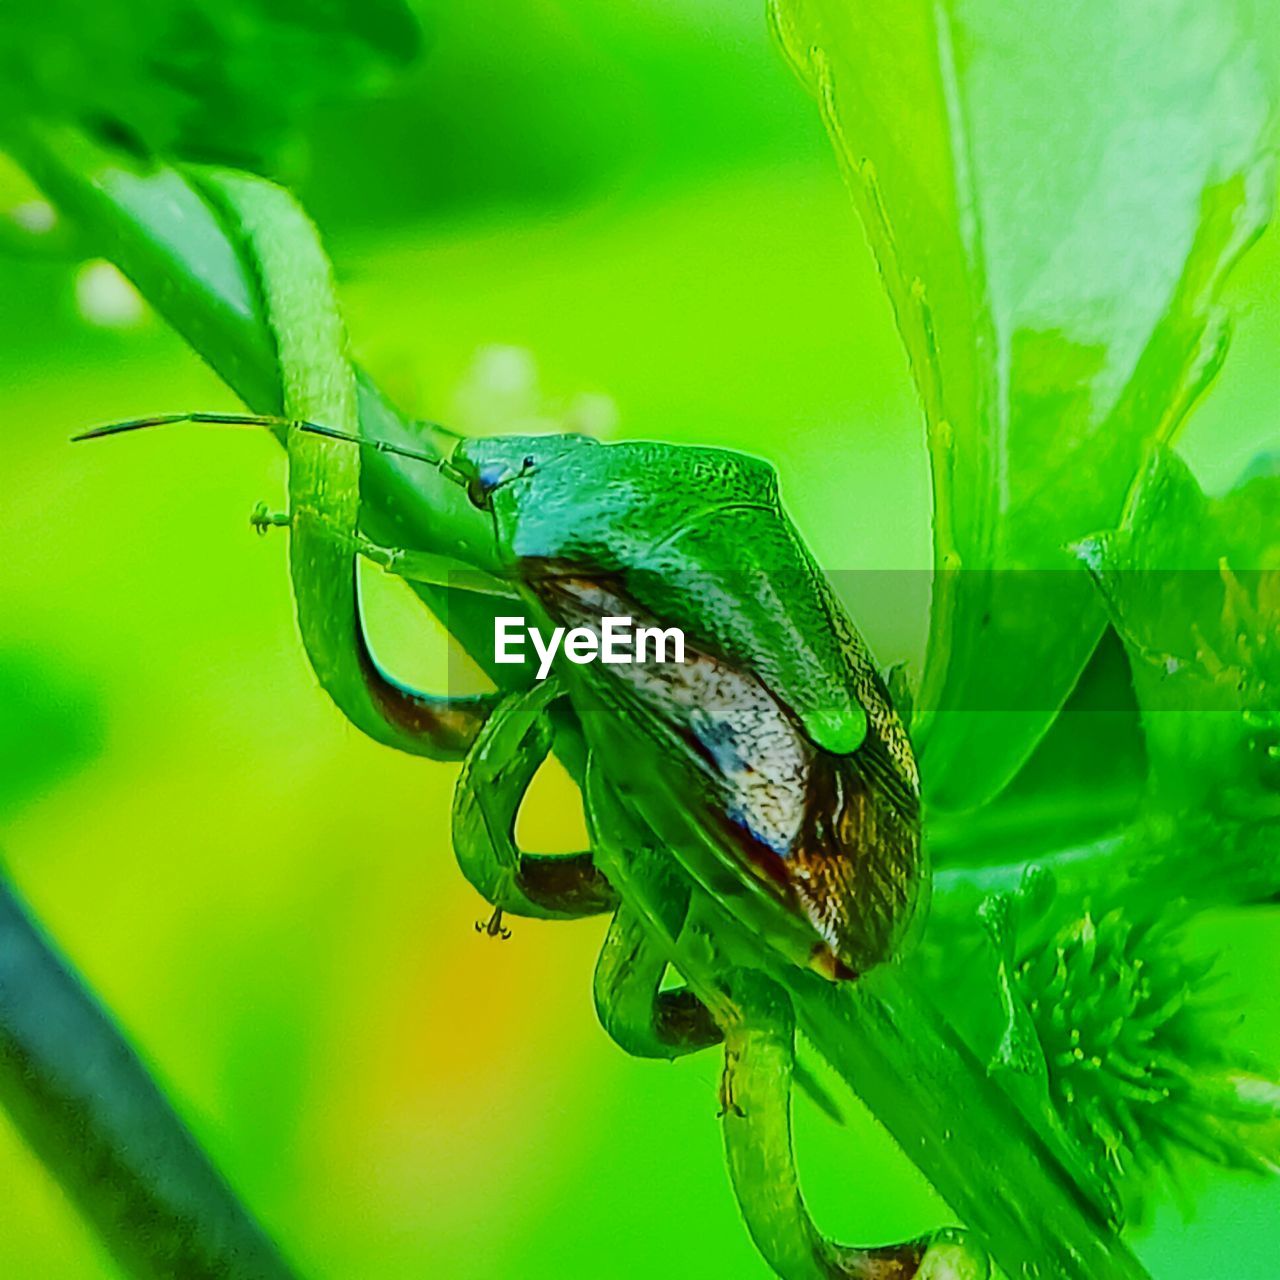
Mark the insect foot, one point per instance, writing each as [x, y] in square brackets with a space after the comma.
[263, 518]
[494, 926]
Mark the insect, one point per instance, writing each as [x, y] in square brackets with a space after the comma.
[772, 761]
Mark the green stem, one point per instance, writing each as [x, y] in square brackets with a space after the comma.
[88, 1108]
[759, 1068]
[297, 292]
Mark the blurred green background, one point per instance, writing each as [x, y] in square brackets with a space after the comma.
[623, 217]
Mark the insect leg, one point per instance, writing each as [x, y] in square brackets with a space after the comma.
[413, 566]
[655, 901]
[494, 778]
[640, 1016]
[759, 1068]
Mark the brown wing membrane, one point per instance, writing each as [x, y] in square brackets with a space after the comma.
[834, 837]
[856, 863]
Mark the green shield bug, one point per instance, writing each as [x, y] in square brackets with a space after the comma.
[772, 760]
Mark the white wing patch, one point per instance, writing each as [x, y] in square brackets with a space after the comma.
[754, 751]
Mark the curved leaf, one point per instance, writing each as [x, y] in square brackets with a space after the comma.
[1054, 193]
[85, 1103]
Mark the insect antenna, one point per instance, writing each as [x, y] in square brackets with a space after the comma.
[266, 420]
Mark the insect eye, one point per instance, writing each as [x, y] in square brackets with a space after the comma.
[492, 476]
[482, 485]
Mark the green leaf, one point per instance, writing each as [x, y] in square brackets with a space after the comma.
[1054, 194]
[219, 80]
[1193, 587]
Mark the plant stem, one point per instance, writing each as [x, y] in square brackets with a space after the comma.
[89, 1109]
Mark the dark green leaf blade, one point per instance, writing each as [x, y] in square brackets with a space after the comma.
[86, 1104]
